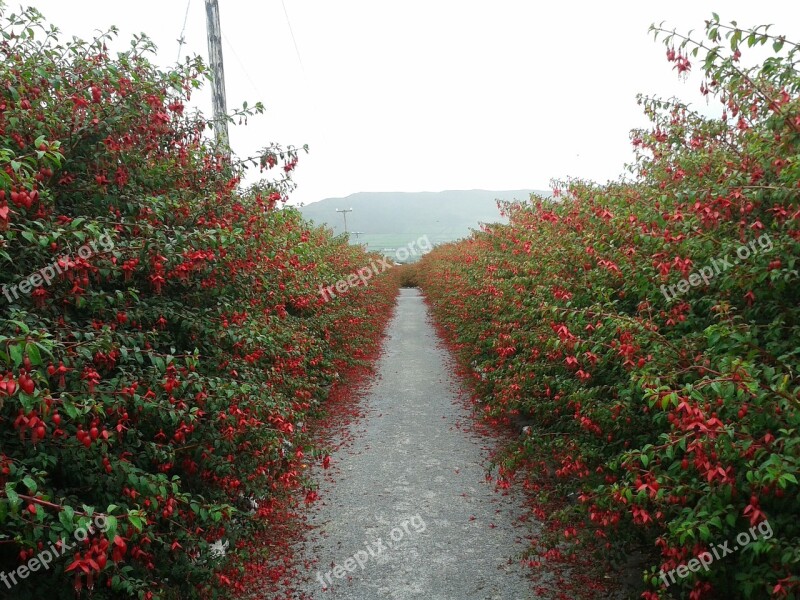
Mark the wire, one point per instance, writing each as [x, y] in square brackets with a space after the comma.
[241, 64]
[291, 31]
[181, 41]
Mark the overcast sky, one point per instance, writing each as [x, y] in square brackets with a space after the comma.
[435, 94]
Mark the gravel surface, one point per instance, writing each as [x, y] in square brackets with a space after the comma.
[405, 511]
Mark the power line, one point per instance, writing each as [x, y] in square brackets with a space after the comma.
[181, 40]
[291, 31]
[241, 64]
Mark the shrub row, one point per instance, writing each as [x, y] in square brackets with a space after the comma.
[162, 338]
[647, 333]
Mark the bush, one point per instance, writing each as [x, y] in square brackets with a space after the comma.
[668, 409]
[163, 338]
[409, 275]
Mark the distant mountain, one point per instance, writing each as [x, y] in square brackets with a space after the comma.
[393, 219]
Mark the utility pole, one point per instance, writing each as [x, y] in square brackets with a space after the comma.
[214, 33]
[344, 212]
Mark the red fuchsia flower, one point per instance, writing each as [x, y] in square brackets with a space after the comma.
[91, 377]
[176, 106]
[5, 213]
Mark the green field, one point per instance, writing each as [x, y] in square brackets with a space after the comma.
[390, 243]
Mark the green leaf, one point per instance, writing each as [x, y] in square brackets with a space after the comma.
[15, 352]
[135, 521]
[32, 351]
[111, 527]
[30, 483]
[70, 409]
[13, 497]
[158, 363]
[66, 520]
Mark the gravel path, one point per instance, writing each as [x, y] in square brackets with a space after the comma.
[405, 511]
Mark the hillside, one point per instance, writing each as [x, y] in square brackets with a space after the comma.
[393, 219]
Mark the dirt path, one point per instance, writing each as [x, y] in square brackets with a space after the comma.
[406, 512]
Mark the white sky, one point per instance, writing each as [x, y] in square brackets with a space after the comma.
[428, 95]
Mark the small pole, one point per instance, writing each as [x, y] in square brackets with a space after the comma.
[344, 212]
[214, 32]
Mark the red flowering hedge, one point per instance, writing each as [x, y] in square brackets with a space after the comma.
[669, 415]
[162, 336]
